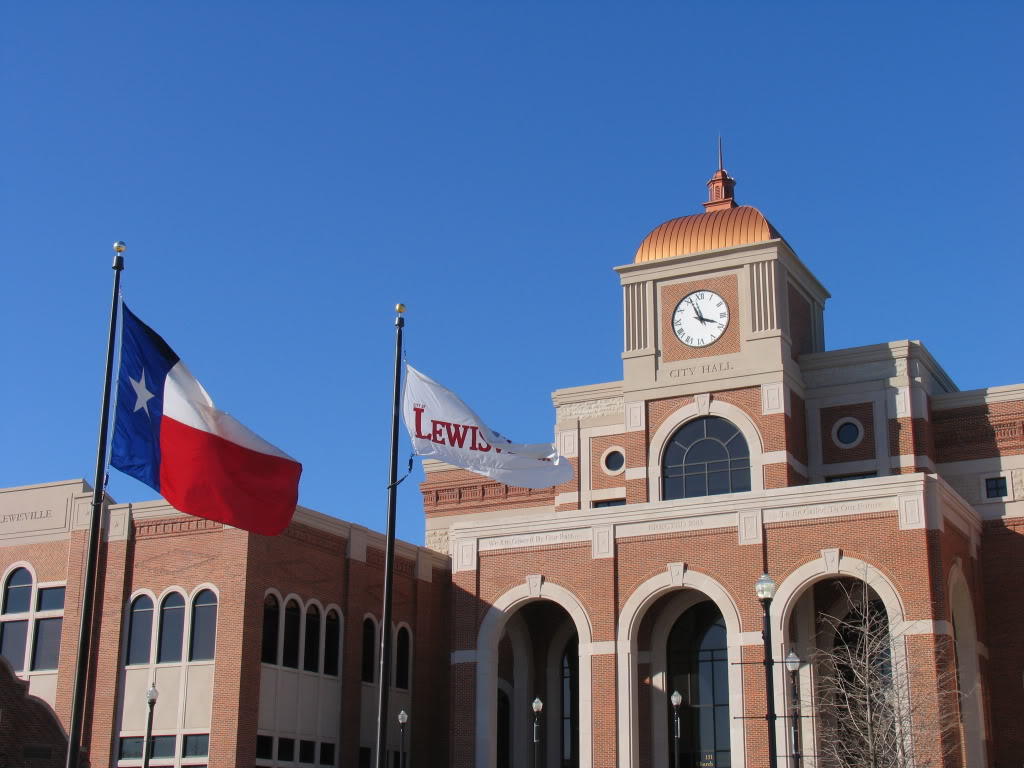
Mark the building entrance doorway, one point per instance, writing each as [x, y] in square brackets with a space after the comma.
[698, 668]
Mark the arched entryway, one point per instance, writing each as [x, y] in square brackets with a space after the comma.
[534, 643]
[849, 696]
[682, 632]
[542, 663]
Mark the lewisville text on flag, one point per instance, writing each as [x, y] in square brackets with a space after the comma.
[443, 427]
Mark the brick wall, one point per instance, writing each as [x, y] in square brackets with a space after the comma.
[865, 450]
[979, 432]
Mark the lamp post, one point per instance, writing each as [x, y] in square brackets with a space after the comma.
[676, 701]
[403, 718]
[538, 705]
[793, 665]
[765, 589]
[151, 697]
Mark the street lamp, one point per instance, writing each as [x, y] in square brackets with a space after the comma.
[793, 665]
[538, 705]
[403, 718]
[676, 701]
[151, 697]
[765, 589]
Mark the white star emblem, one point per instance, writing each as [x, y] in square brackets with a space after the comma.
[142, 395]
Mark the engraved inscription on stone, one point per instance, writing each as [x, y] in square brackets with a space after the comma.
[832, 509]
[611, 406]
[673, 526]
[535, 539]
[30, 516]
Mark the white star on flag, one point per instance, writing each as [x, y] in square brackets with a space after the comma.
[142, 395]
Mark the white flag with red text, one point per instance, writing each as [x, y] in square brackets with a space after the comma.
[443, 427]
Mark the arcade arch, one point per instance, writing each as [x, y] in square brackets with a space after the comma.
[534, 618]
[659, 605]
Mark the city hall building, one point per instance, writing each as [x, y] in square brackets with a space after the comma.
[734, 446]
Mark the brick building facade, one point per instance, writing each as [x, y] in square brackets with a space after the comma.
[264, 651]
[733, 446]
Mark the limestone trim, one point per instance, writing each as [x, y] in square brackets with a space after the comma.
[463, 657]
[912, 461]
[840, 423]
[971, 397]
[805, 502]
[983, 492]
[604, 458]
[826, 368]
[487, 665]
[627, 658]
[737, 416]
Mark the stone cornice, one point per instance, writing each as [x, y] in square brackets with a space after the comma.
[893, 351]
[976, 397]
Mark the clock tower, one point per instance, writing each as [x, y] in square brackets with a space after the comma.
[717, 305]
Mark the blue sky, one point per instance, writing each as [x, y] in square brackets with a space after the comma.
[284, 172]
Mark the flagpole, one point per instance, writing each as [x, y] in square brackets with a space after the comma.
[89, 585]
[389, 554]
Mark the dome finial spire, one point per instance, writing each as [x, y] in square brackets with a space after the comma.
[720, 187]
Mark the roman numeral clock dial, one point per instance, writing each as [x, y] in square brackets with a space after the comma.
[700, 318]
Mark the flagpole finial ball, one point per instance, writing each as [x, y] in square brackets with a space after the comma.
[119, 246]
[400, 308]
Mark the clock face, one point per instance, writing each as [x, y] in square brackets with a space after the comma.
[700, 318]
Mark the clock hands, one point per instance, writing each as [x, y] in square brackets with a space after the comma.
[696, 309]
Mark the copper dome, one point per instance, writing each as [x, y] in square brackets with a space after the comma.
[708, 231]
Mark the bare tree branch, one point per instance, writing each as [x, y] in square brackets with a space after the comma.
[867, 717]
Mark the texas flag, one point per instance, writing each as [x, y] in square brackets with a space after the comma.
[169, 435]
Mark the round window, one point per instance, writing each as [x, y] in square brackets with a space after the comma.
[614, 461]
[847, 433]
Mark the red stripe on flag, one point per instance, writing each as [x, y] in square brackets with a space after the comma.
[207, 476]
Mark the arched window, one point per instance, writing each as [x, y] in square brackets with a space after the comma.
[369, 644]
[292, 624]
[271, 617]
[311, 652]
[172, 627]
[203, 639]
[403, 652]
[332, 643]
[705, 457]
[17, 598]
[18, 591]
[140, 630]
[698, 667]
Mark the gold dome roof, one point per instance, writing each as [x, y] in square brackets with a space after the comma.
[723, 228]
